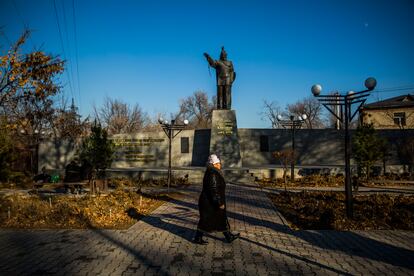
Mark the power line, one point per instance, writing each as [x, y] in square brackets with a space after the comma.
[76, 52]
[394, 89]
[402, 86]
[69, 57]
[61, 42]
[5, 35]
[25, 24]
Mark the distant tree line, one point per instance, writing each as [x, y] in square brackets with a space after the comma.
[117, 116]
[309, 106]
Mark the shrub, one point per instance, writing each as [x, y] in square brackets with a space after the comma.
[367, 147]
[98, 150]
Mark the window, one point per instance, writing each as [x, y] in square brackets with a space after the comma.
[185, 145]
[399, 118]
[264, 143]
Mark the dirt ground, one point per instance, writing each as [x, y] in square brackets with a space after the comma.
[336, 181]
[326, 210]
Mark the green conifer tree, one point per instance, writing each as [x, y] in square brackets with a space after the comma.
[367, 147]
[98, 150]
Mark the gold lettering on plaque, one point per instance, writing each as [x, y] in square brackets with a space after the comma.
[225, 128]
[132, 149]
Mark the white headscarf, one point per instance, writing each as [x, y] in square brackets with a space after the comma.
[213, 159]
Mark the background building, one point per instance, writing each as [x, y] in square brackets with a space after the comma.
[393, 113]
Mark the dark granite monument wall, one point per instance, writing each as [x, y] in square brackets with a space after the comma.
[143, 150]
[201, 147]
[54, 154]
[313, 146]
[150, 150]
[225, 139]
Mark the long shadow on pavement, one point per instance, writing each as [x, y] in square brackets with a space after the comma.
[187, 234]
[131, 250]
[301, 258]
[347, 242]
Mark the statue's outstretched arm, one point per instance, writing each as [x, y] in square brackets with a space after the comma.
[211, 61]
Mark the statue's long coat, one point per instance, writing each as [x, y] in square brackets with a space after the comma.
[213, 195]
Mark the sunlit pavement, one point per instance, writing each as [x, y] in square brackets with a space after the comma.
[160, 244]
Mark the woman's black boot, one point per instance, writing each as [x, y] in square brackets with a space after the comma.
[198, 238]
[231, 237]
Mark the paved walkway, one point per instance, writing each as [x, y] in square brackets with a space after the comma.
[160, 245]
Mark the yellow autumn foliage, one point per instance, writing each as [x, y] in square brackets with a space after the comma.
[105, 211]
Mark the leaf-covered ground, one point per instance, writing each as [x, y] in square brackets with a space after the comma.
[308, 181]
[326, 210]
[335, 181]
[119, 210]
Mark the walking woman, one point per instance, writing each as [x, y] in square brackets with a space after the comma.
[212, 203]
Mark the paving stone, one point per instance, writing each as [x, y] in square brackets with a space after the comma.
[160, 244]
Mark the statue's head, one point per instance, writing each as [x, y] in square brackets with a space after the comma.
[223, 54]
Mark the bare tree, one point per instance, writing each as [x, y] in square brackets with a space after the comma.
[67, 122]
[197, 109]
[313, 110]
[119, 117]
[285, 158]
[153, 123]
[270, 112]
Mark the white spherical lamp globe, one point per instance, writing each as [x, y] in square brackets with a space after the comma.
[370, 83]
[316, 89]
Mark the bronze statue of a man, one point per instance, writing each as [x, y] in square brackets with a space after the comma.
[225, 76]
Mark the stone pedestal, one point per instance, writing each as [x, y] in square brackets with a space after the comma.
[224, 139]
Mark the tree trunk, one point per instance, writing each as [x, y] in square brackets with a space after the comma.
[355, 184]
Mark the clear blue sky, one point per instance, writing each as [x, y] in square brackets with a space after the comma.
[150, 52]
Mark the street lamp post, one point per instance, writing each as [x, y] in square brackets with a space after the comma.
[169, 128]
[293, 124]
[345, 102]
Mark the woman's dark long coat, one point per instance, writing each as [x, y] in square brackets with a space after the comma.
[213, 195]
